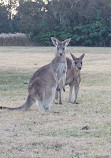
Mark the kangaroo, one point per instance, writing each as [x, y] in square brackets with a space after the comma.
[42, 86]
[73, 77]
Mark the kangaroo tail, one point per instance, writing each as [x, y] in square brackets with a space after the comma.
[29, 102]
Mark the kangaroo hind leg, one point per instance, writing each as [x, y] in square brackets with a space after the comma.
[70, 93]
[76, 94]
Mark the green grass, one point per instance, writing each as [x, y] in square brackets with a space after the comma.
[13, 83]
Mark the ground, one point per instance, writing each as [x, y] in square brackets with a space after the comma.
[68, 130]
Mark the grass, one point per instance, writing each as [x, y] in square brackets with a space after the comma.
[60, 133]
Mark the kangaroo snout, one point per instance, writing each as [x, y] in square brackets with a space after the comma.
[79, 68]
[60, 54]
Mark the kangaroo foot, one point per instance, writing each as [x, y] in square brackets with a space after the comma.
[75, 102]
[60, 102]
[47, 109]
[55, 102]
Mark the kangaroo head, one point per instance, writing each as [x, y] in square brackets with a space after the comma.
[78, 61]
[60, 46]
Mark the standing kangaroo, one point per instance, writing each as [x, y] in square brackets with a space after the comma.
[42, 86]
[73, 77]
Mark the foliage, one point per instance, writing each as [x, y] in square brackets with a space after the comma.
[95, 34]
[4, 22]
[87, 22]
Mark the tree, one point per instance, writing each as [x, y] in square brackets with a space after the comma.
[30, 15]
[87, 22]
[4, 22]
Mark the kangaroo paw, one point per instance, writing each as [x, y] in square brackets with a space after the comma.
[63, 89]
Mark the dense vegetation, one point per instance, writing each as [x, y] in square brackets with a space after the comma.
[87, 22]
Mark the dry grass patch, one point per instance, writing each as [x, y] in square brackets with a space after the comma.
[16, 39]
[68, 131]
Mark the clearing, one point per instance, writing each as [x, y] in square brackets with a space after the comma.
[68, 130]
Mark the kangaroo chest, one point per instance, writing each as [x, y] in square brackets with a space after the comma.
[73, 77]
[58, 68]
[62, 67]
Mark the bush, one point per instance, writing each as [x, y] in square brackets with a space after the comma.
[17, 39]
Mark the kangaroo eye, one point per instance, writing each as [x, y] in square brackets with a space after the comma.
[75, 62]
[81, 63]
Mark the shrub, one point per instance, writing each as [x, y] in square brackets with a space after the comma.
[16, 39]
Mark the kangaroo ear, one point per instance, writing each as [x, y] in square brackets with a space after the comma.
[82, 56]
[55, 41]
[66, 42]
[73, 57]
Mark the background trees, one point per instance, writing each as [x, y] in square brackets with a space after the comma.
[87, 22]
[4, 21]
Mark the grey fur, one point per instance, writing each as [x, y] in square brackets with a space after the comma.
[42, 86]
